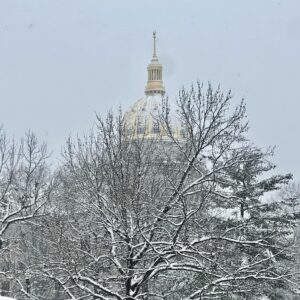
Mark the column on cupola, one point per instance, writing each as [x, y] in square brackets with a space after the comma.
[155, 83]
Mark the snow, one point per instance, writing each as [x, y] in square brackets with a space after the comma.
[6, 298]
[264, 298]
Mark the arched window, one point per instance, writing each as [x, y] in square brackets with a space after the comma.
[140, 128]
[155, 128]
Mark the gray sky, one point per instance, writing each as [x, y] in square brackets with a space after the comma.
[63, 60]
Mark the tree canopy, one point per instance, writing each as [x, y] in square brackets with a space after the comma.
[189, 216]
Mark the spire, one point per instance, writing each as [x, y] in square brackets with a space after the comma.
[154, 46]
[154, 84]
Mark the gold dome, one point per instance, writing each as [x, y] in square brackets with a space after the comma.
[143, 120]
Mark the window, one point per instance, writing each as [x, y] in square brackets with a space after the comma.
[155, 128]
[140, 128]
[182, 133]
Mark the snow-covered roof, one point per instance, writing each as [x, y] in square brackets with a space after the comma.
[143, 118]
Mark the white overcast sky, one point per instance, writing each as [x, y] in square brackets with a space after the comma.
[62, 61]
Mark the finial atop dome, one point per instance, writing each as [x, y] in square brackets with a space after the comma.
[154, 84]
[154, 46]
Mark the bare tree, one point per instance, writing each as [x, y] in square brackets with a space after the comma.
[24, 190]
[183, 217]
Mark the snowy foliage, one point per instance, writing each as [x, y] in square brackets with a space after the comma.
[172, 218]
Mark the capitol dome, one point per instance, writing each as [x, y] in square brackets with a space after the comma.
[142, 120]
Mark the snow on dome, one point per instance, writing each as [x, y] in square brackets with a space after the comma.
[143, 119]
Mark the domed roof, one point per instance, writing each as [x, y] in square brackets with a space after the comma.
[148, 105]
[143, 117]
